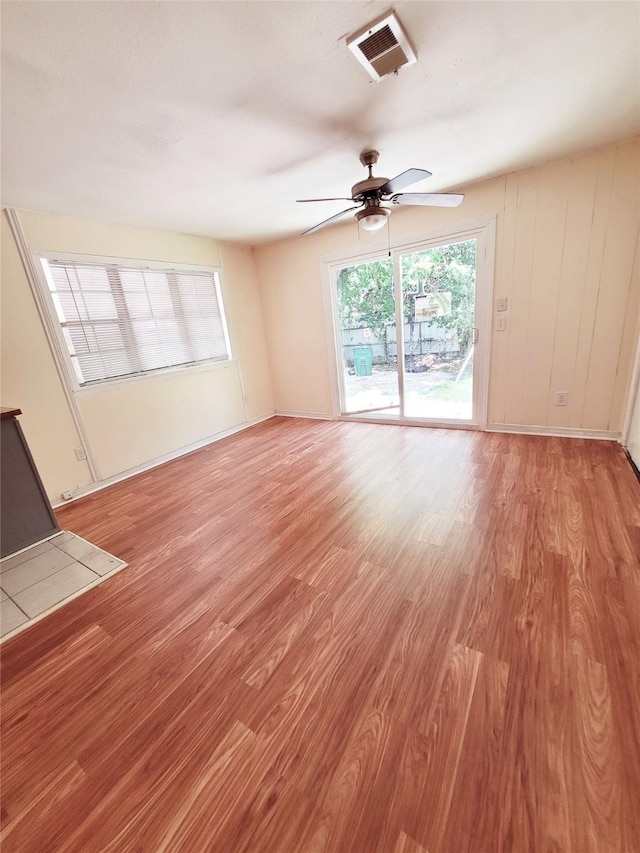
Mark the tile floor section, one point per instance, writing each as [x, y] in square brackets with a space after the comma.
[42, 578]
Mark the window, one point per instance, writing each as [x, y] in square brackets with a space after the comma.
[122, 320]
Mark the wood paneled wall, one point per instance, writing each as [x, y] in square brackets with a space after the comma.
[567, 248]
[567, 260]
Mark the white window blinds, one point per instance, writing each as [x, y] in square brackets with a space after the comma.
[126, 320]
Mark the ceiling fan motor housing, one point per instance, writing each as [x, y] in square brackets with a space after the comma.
[367, 188]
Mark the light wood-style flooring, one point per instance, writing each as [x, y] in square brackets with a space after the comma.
[341, 637]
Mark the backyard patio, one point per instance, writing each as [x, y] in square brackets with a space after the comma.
[434, 393]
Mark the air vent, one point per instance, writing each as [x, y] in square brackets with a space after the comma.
[382, 46]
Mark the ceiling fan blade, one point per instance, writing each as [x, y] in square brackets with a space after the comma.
[404, 179]
[329, 220]
[429, 199]
[324, 199]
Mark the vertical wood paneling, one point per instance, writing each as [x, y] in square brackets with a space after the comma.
[566, 242]
[520, 288]
[630, 334]
[505, 247]
[573, 317]
[550, 225]
[570, 285]
[613, 292]
[594, 244]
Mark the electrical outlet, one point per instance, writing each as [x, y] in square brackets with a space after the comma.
[67, 495]
[562, 398]
[502, 304]
[80, 453]
[501, 324]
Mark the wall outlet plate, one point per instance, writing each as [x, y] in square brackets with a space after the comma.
[562, 398]
[80, 453]
[502, 304]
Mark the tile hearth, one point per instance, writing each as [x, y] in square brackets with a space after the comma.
[45, 576]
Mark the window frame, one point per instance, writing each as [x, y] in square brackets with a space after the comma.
[55, 333]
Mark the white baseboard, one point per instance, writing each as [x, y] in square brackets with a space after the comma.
[519, 429]
[559, 432]
[318, 416]
[159, 460]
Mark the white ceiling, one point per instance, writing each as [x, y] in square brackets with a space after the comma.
[213, 117]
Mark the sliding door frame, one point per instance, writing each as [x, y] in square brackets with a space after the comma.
[484, 232]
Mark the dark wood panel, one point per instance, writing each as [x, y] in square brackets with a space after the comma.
[341, 637]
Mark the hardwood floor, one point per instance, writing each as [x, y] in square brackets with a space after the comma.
[341, 637]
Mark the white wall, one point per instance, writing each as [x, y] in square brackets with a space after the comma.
[633, 440]
[130, 423]
[246, 326]
[632, 436]
[29, 379]
[566, 258]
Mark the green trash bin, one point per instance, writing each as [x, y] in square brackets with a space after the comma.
[362, 360]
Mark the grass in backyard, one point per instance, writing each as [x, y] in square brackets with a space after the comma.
[451, 390]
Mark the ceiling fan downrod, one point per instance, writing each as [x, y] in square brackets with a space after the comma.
[369, 159]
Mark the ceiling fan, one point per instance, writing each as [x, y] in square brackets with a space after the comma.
[371, 193]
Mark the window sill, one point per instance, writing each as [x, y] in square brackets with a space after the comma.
[164, 373]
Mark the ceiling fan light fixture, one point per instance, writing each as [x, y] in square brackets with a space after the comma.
[372, 218]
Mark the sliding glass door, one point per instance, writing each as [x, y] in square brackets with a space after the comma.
[368, 352]
[407, 333]
[438, 294]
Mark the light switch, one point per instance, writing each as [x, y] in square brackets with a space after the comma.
[501, 324]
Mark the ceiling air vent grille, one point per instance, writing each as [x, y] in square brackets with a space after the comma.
[382, 46]
[378, 43]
